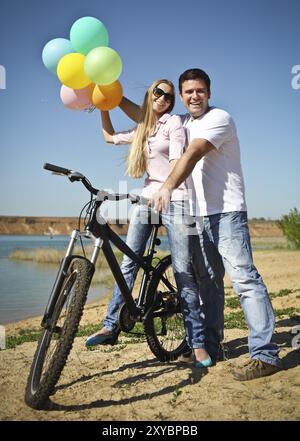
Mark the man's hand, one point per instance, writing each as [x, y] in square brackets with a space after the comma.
[160, 200]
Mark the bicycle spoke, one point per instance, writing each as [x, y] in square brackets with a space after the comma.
[164, 325]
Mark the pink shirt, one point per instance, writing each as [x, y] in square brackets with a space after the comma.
[165, 145]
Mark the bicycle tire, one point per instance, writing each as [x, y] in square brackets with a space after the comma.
[163, 321]
[57, 339]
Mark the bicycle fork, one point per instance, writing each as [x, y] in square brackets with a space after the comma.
[62, 273]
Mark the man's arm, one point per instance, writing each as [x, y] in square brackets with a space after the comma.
[131, 109]
[183, 168]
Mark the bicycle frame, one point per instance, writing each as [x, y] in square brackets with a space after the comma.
[102, 234]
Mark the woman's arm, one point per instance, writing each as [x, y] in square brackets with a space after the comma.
[107, 127]
[131, 109]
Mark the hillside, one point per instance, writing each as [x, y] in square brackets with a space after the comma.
[43, 225]
[64, 225]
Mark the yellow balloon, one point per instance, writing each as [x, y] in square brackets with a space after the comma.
[71, 73]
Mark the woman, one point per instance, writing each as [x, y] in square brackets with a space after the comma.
[156, 144]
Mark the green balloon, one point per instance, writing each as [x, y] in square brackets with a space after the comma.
[87, 33]
[103, 65]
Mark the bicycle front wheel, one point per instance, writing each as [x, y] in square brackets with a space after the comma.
[57, 339]
[163, 322]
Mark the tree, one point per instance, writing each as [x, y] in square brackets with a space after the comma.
[290, 226]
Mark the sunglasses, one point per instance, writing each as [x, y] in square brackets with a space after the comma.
[168, 97]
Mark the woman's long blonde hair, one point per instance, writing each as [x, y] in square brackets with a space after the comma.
[137, 157]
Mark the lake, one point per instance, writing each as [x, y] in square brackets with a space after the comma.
[25, 286]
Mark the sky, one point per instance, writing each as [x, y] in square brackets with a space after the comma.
[250, 49]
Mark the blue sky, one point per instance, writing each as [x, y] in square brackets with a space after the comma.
[248, 48]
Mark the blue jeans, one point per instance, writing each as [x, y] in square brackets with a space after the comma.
[225, 245]
[180, 241]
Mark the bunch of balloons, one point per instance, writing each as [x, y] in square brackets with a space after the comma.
[87, 68]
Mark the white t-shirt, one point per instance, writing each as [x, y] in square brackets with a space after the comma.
[216, 183]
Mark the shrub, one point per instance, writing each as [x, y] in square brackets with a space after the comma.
[290, 226]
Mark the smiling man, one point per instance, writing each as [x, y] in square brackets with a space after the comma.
[211, 165]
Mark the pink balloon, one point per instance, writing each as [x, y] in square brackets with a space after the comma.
[76, 99]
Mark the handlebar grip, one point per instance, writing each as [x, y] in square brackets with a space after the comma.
[137, 199]
[144, 201]
[56, 168]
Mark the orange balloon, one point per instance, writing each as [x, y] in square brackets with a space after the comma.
[107, 96]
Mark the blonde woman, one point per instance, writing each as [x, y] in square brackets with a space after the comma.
[156, 144]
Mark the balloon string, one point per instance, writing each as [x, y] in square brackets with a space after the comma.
[89, 109]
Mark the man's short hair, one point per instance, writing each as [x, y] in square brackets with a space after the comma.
[194, 74]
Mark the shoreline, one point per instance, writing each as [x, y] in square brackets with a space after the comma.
[280, 270]
[22, 323]
[13, 328]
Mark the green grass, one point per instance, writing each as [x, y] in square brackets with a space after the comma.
[54, 256]
[233, 302]
[29, 335]
[176, 394]
[47, 256]
[235, 320]
[281, 293]
[290, 312]
[25, 335]
[269, 243]
[232, 320]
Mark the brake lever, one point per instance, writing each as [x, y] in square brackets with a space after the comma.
[75, 176]
[58, 174]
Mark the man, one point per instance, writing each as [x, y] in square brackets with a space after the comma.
[212, 159]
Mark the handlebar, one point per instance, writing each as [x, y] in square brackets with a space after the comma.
[102, 195]
[57, 169]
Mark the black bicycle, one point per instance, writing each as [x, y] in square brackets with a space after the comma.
[157, 305]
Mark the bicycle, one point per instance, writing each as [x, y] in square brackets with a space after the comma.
[157, 305]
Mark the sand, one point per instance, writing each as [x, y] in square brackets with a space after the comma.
[127, 383]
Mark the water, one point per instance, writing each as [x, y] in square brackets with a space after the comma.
[25, 286]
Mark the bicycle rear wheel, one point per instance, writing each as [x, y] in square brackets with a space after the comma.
[163, 323]
[57, 339]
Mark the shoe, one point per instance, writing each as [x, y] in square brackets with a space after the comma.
[186, 357]
[204, 363]
[254, 369]
[102, 339]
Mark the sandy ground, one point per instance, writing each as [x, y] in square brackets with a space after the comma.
[128, 383]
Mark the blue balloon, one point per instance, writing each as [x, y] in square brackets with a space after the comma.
[54, 50]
